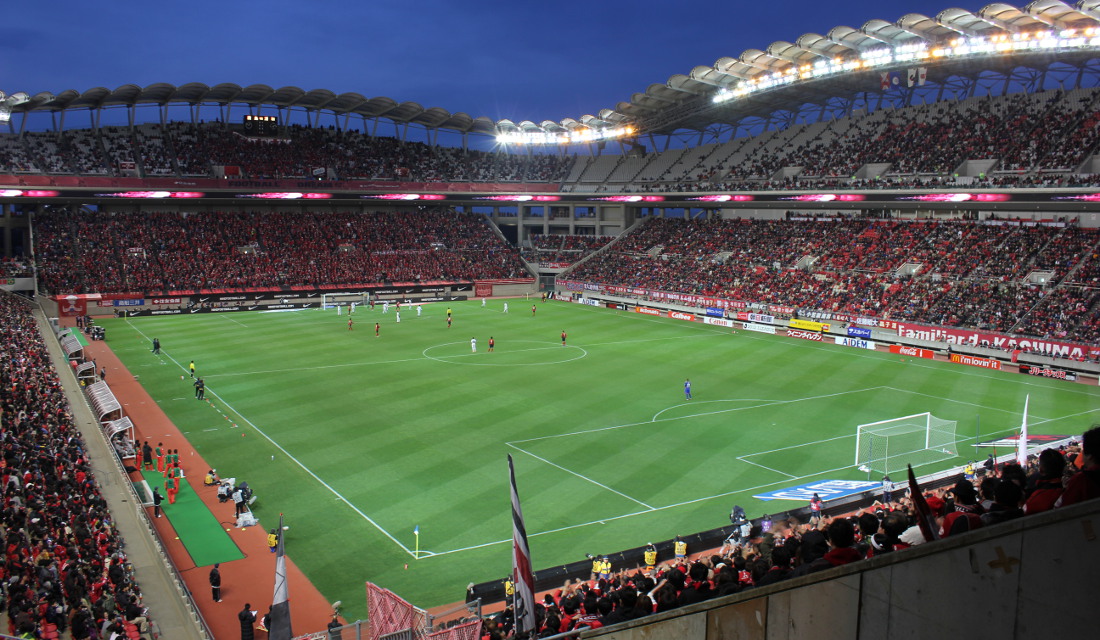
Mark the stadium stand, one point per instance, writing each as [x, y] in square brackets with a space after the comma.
[172, 252]
[64, 569]
[562, 249]
[971, 274]
[919, 146]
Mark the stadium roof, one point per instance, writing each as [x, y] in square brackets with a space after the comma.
[684, 101]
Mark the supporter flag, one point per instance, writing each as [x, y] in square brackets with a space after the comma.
[925, 520]
[280, 603]
[1021, 442]
[522, 578]
[888, 80]
[917, 76]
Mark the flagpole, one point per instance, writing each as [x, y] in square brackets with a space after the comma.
[280, 628]
[1021, 441]
[416, 553]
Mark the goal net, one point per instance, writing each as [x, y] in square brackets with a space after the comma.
[338, 300]
[887, 446]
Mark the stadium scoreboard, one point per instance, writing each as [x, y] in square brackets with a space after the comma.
[261, 126]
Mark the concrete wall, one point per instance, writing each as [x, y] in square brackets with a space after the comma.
[1030, 578]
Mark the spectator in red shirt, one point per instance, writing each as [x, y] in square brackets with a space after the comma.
[1085, 485]
[1048, 488]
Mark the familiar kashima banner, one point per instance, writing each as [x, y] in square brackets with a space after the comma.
[858, 343]
[680, 315]
[981, 338]
[483, 290]
[984, 363]
[912, 351]
[805, 335]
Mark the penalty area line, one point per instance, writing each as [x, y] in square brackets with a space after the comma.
[782, 473]
[582, 477]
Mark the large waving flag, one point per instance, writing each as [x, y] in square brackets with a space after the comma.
[1021, 442]
[280, 603]
[524, 580]
[926, 520]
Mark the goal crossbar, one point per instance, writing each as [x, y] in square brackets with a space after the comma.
[888, 445]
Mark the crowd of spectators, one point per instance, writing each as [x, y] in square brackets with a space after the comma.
[767, 551]
[15, 267]
[146, 252]
[64, 566]
[1034, 140]
[563, 249]
[959, 273]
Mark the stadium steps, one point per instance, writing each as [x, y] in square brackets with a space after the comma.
[607, 247]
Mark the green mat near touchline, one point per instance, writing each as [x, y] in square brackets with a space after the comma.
[200, 531]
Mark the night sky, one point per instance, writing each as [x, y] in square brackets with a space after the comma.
[516, 60]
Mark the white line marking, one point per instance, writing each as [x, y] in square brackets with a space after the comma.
[768, 403]
[980, 406]
[585, 478]
[782, 473]
[657, 418]
[227, 317]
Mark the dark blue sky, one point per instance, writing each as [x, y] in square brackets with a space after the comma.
[517, 60]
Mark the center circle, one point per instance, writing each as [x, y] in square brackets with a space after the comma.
[517, 353]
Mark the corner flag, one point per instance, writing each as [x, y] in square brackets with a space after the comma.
[522, 577]
[280, 603]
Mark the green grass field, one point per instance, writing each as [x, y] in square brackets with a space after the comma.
[359, 440]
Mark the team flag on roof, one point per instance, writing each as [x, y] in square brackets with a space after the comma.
[280, 603]
[522, 578]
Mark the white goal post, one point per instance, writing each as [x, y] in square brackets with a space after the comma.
[343, 299]
[888, 446]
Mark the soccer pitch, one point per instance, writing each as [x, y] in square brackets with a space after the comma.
[375, 436]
